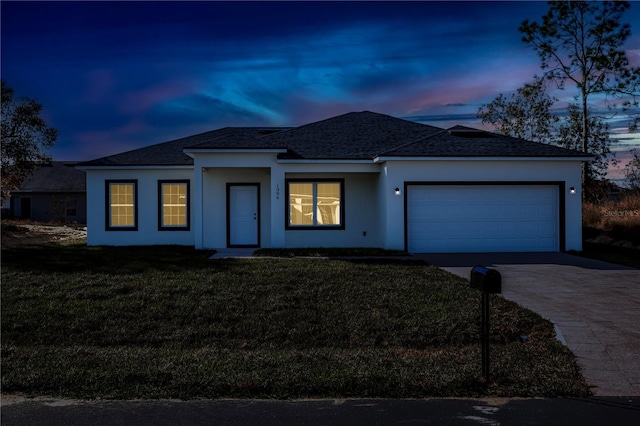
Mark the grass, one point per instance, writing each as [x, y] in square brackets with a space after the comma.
[165, 322]
[611, 253]
[611, 231]
[619, 219]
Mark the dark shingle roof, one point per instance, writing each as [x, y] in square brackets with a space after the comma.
[171, 153]
[355, 135]
[57, 176]
[460, 141]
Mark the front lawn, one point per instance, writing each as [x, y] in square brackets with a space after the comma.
[165, 322]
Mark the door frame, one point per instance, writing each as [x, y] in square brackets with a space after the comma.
[257, 186]
[562, 218]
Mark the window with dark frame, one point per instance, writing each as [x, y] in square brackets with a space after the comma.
[71, 208]
[173, 208]
[315, 204]
[122, 205]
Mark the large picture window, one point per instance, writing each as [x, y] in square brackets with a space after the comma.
[122, 205]
[315, 204]
[173, 209]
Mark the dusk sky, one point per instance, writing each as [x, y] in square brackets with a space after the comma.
[115, 76]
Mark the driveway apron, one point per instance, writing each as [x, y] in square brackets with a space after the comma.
[594, 305]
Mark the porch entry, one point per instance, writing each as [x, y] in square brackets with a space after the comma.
[243, 215]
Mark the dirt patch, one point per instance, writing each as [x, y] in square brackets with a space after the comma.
[17, 234]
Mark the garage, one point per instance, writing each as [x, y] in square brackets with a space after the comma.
[482, 218]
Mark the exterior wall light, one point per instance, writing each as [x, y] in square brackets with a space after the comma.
[572, 190]
[397, 191]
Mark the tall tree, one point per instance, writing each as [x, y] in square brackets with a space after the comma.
[525, 114]
[569, 136]
[581, 42]
[25, 138]
[632, 170]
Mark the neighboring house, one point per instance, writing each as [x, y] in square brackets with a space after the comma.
[356, 180]
[55, 191]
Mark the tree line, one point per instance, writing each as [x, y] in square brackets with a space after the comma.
[580, 46]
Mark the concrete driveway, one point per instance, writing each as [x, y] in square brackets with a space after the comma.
[595, 306]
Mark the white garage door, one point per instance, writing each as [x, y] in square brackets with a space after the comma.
[482, 218]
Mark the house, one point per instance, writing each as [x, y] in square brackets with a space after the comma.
[360, 179]
[55, 191]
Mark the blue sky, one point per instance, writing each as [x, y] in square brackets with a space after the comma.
[115, 76]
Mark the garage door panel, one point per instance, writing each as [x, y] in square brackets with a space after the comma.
[452, 218]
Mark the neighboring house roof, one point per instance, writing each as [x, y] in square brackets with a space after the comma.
[57, 176]
[354, 136]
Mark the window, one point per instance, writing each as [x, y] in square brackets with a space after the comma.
[72, 208]
[315, 204]
[173, 209]
[122, 205]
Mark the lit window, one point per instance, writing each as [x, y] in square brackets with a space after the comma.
[174, 205]
[315, 204]
[122, 205]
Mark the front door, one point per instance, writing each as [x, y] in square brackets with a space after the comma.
[243, 215]
[25, 208]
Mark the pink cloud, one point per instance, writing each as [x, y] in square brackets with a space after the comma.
[100, 143]
[140, 101]
[634, 57]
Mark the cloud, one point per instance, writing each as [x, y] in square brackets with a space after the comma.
[100, 86]
[198, 109]
[140, 101]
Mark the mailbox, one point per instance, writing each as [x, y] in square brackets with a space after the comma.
[486, 280]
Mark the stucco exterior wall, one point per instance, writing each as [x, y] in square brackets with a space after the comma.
[397, 172]
[374, 214]
[214, 203]
[147, 233]
[361, 207]
[51, 206]
[213, 171]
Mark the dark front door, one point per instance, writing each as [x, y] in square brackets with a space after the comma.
[25, 208]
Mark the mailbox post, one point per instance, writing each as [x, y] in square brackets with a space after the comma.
[488, 281]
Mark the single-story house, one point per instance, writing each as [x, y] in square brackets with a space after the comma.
[55, 191]
[360, 179]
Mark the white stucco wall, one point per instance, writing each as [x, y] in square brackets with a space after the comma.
[361, 207]
[219, 169]
[214, 203]
[147, 233]
[399, 172]
[370, 202]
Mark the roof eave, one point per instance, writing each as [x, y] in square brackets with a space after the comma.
[134, 166]
[191, 151]
[381, 158]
